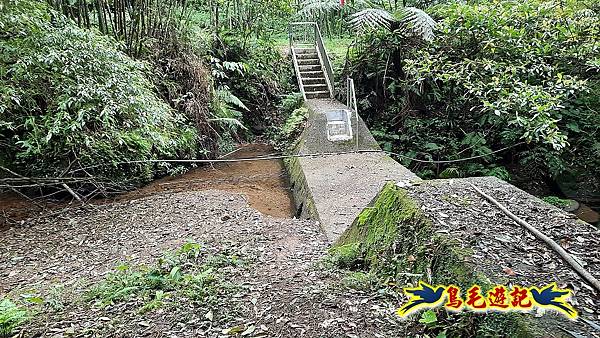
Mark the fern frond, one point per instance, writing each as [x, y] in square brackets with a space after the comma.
[371, 18]
[417, 22]
[313, 8]
[231, 100]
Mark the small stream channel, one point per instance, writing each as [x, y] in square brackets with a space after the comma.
[264, 183]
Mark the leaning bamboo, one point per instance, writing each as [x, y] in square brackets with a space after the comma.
[549, 242]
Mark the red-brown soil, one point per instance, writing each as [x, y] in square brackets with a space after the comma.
[264, 183]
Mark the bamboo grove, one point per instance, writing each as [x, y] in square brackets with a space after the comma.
[129, 21]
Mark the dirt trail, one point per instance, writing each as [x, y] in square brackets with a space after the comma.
[284, 291]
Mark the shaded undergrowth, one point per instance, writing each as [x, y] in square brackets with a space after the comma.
[191, 281]
[189, 274]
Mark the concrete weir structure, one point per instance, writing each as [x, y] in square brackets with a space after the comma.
[474, 241]
[334, 189]
[370, 207]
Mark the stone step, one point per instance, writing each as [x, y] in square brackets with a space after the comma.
[313, 81]
[305, 51]
[309, 68]
[311, 74]
[315, 87]
[317, 95]
[307, 56]
[309, 62]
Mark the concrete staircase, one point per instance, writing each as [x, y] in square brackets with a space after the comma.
[311, 73]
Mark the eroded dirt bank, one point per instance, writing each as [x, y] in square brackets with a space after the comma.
[263, 182]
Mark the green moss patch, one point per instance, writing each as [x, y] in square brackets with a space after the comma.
[303, 198]
[393, 240]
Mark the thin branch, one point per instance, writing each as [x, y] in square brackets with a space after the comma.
[64, 185]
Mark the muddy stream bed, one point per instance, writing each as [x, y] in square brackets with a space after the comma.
[264, 184]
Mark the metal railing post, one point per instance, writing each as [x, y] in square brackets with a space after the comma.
[351, 103]
[290, 37]
[295, 62]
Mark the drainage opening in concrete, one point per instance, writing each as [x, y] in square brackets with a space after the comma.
[339, 125]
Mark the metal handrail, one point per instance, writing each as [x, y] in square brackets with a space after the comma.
[351, 95]
[317, 41]
[351, 103]
[297, 70]
[324, 59]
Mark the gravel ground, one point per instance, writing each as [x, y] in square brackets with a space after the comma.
[508, 253]
[281, 293]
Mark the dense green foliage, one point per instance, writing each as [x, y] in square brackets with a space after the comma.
[498, 73]
[70, 98]
[557, 201]
[74, 100]
[291, 106]
[256, 73]
[490, 75]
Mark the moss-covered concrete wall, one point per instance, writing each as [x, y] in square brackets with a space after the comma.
[392, 237]
[305, 205]
[334, 186]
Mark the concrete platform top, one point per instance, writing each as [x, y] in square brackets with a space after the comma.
[343, 185]
[314, 139]
[340, 186]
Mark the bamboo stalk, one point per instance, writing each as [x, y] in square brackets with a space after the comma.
[549, 242]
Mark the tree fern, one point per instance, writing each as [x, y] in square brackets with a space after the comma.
[228, 110]
[314, 8]
[231, 100]
[410, 20]
[371, 18]
[417, 22]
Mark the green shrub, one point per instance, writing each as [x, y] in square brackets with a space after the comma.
[498, 73]
[69, 98]
[11, 316]
[293, 126]
[257, 74]
[556, 201]
[188, 272]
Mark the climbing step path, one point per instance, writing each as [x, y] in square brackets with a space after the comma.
[311, 73]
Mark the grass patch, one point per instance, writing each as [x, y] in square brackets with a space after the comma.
[11, 317]
[359, 280]
[336, 49]
[190, 273]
